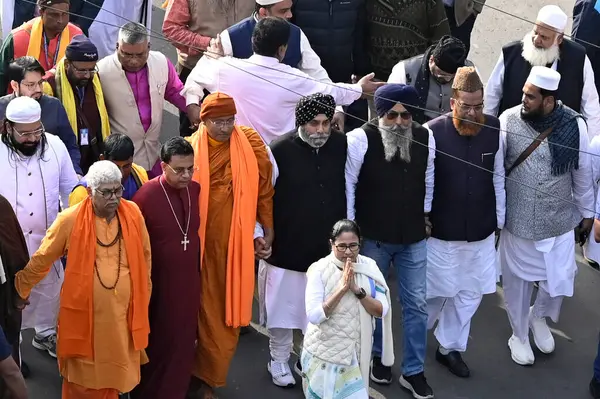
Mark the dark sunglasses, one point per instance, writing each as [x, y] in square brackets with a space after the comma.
[393, 115]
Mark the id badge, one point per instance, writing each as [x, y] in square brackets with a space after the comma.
[83, 137]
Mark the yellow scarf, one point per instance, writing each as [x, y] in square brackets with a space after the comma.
[36, 38]
[65, 94]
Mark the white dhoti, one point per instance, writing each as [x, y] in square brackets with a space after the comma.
[282, 308]
[459, 273]
[551, 262]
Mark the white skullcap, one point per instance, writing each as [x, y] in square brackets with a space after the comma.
[553, 16]
[544, 78]
[23, 110]
[267, 2]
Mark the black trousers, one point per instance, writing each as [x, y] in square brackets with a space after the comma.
[462, 32]
[184, 123]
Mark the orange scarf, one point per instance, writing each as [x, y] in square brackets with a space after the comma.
[240, 256]
[76, 315]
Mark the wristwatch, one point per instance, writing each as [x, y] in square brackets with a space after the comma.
[361, 293]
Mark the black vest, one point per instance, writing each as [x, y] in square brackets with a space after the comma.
[390, 196]
[310, 196]
[516, 71]
[464, 199]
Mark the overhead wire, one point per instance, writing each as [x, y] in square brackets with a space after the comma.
[413, 141]
[214, 55]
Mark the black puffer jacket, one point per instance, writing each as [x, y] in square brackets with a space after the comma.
[336, 31]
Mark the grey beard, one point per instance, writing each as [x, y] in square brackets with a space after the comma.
[536, 56]
[317, 140]
[396, 141]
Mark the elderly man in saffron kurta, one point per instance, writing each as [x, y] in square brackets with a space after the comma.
[103, 322]
[45, 38]
[234, 171]
[136, 82]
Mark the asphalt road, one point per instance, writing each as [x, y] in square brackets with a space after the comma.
[562, 375]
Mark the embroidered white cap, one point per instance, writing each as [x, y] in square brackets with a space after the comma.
[23, 110]
[553, 16]
[267, 2]
[544, 78]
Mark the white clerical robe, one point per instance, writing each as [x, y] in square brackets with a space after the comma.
[551, 259]
[265, 91]
[590, 103]
[33, 186]
[454, 266]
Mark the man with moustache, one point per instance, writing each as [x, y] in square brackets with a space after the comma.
[546, 46]
[308, 176]
[432, 74]
[77, 85]
[468, 206]
[389, 186]
[36, 173]
[25, 76]
[537, 242]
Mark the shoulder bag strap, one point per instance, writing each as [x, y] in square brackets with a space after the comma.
[525, 154]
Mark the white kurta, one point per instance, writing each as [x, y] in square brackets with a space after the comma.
[357, 148]
[590, 104]
[104, 30]
[33, 187]
[591, 248]
[265, 91]
[454, 266]
[552, 259]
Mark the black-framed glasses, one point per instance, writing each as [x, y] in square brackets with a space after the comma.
[344, 247]
[108, 194]
[181, 171]
[469, 107]
[37, 133]
[393, 115]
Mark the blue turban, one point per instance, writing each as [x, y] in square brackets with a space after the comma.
[81, 49]
[389, 95]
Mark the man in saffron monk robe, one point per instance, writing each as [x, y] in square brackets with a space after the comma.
[169, 204]
[234, 171]
[103, 319]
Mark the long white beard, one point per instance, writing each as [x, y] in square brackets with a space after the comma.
[539, 56]
[396, 141]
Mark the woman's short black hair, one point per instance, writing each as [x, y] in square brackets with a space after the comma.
[345, 226]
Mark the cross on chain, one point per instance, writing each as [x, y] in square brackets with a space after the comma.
[185, 242]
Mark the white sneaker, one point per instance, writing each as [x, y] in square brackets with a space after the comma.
[520, 351]
[541, 333]
[281, 374]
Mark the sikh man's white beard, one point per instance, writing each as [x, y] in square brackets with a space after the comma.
[396, 141]
[539, 56]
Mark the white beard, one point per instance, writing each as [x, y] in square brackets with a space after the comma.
[396, 141]
[538, 56]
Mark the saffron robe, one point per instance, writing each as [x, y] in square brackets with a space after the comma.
[175, 297]
[217, 342]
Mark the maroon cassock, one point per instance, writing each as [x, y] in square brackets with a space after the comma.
[175, 299]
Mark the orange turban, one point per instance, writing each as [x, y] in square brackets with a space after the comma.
[217, 105]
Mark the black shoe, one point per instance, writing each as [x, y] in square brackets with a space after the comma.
[417, 385]
[298, 368]
[454, 362]
[25, 369]
[595, 388]
[379, 373]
